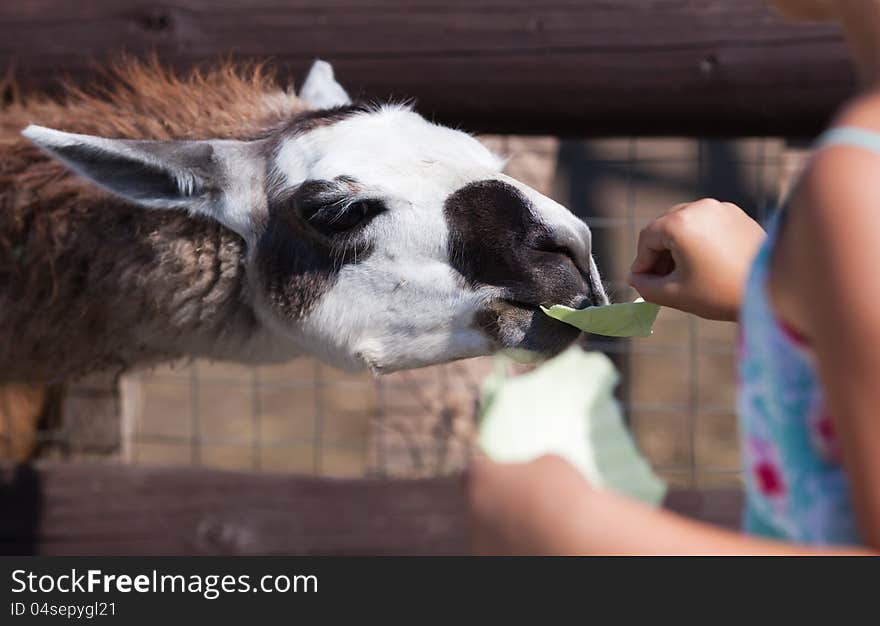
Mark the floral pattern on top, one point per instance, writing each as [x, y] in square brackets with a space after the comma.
[796, 488]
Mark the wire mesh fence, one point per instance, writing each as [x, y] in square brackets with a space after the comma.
[677, 388]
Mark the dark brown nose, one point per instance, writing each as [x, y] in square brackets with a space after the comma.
[496, 239]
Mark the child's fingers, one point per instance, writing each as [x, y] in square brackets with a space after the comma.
[653, 246]
[663, 290]
[664, 264]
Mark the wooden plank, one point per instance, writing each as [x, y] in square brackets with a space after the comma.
[105, 509]
[711, 67]
[81, 508]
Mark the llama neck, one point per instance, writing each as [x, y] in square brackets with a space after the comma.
[199, 289]
[103, 285]
[203, 296]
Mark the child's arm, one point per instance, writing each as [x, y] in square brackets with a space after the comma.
[546, 507]
[696, 258]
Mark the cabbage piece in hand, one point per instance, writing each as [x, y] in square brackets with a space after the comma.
[566, 407]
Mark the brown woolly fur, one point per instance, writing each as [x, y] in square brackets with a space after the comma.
[88, 281]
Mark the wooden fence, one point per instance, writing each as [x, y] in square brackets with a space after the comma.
[628, 67]
[98, 509]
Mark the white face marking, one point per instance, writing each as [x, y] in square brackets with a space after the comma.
[404, 305]
[394, 148]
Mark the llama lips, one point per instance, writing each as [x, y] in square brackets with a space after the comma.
[632, 319]
[511, 324]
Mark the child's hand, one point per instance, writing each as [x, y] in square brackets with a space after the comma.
[696, 258]
[525, 508]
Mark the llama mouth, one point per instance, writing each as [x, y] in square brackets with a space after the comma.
[518, 324]
[575, 303]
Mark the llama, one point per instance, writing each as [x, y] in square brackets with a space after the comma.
[218, 215]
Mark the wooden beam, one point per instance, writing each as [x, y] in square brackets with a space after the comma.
[708, 67]
[90, 509]
[105, 509]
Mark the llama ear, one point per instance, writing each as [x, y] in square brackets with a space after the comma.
[198, 176]
[320, 89]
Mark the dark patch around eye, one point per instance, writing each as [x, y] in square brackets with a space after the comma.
[297, 262]
[295, 269]
[344, 216]
[328, 208]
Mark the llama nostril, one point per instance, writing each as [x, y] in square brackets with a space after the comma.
[576, 248]
[566, 252]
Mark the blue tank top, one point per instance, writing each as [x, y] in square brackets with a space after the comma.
[796, 488]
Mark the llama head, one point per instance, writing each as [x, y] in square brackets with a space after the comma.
[374, 237]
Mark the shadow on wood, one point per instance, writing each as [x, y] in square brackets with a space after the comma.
[105, 509]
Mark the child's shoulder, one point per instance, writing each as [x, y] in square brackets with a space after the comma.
[843, 173]
[862, 111]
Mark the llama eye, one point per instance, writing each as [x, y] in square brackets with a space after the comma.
[338, 217]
